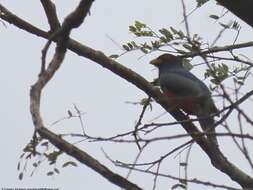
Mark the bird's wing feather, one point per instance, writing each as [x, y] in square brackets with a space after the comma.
[183, 83]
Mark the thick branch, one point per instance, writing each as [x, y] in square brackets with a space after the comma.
[11, 18]
[62, 35]
[51, 14]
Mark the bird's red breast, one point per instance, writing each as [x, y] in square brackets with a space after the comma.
[188, 105]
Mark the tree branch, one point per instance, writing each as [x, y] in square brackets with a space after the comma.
[217, 49]
[87, 160]
[216, 157]
[51, 14]
[73, 20]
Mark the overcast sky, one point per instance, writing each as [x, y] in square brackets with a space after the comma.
[96, 91]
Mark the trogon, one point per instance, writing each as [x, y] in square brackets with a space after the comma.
[186, 91]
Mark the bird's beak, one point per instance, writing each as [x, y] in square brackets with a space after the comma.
[155, 62]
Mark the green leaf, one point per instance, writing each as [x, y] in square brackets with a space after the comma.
[215, 17]
[69, 163]
[178, 32]
[21, 156]
[50, 173]
[146, 46]
[176, 186]
[52, 157]
[181, 34]
[187, 46]
[20, 176]
[201, 2]
[236, 25]
[155, 44]
[144, 101]
[163, 39]
[18, 167]
[69, 114]
[125, 47]
[134, 44]
[224, 25]
[217, 72]
[183, 164]
[114, 56]
[183, 181]
[166, 33]
[28, 156]
[147, 33]
[173, 30]
[56, 170]
[130, 45]
[138, 34]
[196, 38]
[139, 25]
[132, 29]
[144, 50]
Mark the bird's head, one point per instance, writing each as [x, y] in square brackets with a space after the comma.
[167, 60]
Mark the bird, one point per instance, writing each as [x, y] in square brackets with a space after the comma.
[186, 91]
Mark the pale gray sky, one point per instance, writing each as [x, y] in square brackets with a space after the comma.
[96, 91]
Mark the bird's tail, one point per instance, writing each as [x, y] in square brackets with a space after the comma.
[207, 124]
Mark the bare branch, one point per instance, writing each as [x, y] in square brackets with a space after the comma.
[86, 159]
[216, 49]
[11, 18]
[73, 20]
[196, 181]
[51, 14]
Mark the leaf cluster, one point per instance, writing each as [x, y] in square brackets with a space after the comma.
[39, 150]
[217, 73]
[164, 37]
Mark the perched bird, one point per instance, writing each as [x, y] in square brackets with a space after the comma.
[186, 91]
